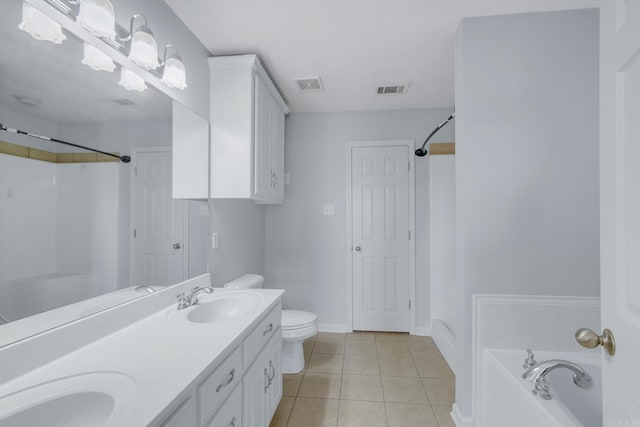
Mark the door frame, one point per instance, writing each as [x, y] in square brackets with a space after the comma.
[135, 151]
[409, 143]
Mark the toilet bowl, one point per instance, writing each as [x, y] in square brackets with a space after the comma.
[297, 326]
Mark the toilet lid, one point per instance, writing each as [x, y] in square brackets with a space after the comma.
[292, 319]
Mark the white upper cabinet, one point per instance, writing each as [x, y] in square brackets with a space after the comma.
[247, 131]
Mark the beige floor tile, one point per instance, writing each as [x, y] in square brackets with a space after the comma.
[422, 346]
[312, 412]
[390, 336]
[307, 356]
[410, 415]
[440, 392]
[442, 414]
[428, 368]
[418, 339]
[404, 390]
[328, 345]
[320, 385]
[307, 346]
[397, 365]
[361, 364]
[355, 413]
[392, 347]
[283, 411]
[331, 336]
[432, 356]
[326, 363]
[361, 387]
[360, 347]
[291, 384]
[361, 336]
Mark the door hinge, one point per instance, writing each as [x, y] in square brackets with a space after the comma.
[409, 234]
[134, 233]
[409, 304]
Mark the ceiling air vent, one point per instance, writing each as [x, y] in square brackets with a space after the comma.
[392, 90]
[310, 84]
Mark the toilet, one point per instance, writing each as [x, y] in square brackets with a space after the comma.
[297, 326]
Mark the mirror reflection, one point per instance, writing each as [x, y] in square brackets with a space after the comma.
[81, 231]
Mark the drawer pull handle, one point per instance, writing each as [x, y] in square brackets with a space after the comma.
[233, 422]
[273, 370]
[269, 329]
[267, 380]
[232, 374]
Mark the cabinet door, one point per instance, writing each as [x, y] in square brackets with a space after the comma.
[254, 390]
[278, 153]
[263, 170]
[274, 370]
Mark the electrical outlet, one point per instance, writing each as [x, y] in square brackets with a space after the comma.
[328, 210]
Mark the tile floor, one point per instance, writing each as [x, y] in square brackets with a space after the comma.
[368, 379]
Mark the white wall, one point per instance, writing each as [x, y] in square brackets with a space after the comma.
[305, 250]
[526, 163]
[240, 225]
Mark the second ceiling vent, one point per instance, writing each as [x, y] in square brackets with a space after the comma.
[392, 90]
[310, 84]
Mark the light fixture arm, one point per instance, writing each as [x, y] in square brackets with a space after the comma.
[144, 26]
[175, 55]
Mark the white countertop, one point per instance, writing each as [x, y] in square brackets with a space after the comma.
[163, 354]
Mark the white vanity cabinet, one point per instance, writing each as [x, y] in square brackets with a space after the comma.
[247, 131]
[243, 390]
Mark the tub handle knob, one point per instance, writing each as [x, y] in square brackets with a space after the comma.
[589, 339]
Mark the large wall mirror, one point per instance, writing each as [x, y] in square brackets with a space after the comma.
[79, 231]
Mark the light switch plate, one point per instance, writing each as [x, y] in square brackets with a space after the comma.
[204, 210]
[328, 210]
[214, 241]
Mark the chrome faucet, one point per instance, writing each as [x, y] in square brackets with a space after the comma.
[537, 375]
[185, 301]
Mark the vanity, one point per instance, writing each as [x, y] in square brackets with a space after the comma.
[216, 363]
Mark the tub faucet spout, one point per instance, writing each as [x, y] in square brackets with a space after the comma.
[537, 375]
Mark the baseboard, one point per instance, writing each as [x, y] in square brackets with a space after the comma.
[335, 328]
[422, 331]
[458, 419]
[446, 342]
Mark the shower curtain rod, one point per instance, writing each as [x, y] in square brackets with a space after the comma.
[123, 159]
[421, 152]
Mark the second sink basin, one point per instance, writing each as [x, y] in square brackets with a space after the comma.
[224, 307]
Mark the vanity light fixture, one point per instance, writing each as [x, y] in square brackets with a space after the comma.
[131, 81]
[97, 17]
[96, 59]
[40, 26]
[174, 74]
[144, 49]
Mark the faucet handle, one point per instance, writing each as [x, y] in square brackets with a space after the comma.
[530, 360]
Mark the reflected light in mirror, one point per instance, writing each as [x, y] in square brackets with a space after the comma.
[40, 26]
[98, 17]
[131, 81]
[96, 59]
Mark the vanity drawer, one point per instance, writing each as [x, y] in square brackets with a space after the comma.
[230, 415]
[256, 341]
[214, 389]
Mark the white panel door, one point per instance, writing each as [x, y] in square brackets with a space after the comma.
[620, 207]
[158, 248]
[380, 238]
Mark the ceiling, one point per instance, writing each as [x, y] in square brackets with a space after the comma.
[353, 45]
[67, 91]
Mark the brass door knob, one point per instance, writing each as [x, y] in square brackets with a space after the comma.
[589, 339]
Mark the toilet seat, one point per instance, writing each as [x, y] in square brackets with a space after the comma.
[298, 324]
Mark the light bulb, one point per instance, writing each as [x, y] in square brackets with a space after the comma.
[174, 74]
[40, 26]
[96, 59]
[98, 17]
[144, 50]
[131, 81]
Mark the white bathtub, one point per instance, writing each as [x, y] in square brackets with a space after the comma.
[508, 401]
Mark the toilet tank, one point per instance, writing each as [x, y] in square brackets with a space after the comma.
[246, 281]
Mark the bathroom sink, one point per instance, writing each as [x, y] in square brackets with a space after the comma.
[224, 307]
[94, 399]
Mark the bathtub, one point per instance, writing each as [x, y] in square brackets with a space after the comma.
[507, 399]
